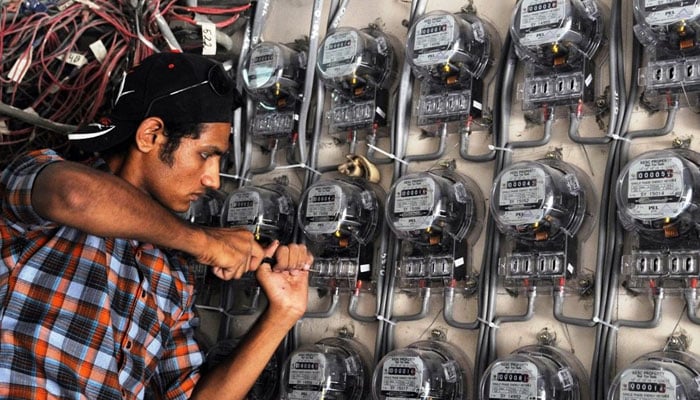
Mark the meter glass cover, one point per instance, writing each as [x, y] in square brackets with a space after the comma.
[263, 65]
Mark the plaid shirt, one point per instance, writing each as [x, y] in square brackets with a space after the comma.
[84, 316]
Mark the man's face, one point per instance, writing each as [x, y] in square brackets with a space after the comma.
[195, 168]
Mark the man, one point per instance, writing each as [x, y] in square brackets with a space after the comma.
[95, 296]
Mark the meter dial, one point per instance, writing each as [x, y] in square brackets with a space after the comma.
[662, 375]
[339, 213]
[430, 207]
[449, 48]
[540, 200]
[672, 26]
[273, 73]
[331, 369]
[658, 192]
[206, 209]
[426, 370]
[351, 60]
[267, 211]
[535, 373]
[556, 34]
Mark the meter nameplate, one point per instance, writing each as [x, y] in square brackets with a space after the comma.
[414, 203]
[434, 39]
[402, 377]
[521, 197]
[243, 208]
[674, 12]
[655, 188]
[263, 63]
[541, 21]
[340, 54]
[647, 384]
[513, 380]
[323, 209]
[307, 375]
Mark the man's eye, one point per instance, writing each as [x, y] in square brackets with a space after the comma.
[205, 155]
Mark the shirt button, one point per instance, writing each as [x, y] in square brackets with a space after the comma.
[143, 294]
[138, 254]
[128, 345]
[124, 393]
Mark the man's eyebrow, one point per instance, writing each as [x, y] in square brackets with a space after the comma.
[214, 150]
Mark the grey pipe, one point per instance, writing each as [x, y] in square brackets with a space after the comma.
[464, 149]
[448, 314]
[438, 153]
[332, 306]
[14, 112]
[272, 163]
[691, 300]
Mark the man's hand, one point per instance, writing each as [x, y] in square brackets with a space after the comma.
[286, 286]
[230, 252]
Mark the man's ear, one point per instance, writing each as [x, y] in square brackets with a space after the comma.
[150, 134]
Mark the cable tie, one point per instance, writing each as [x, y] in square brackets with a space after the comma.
[238, 177]
[489, 323]
[615, 136]
[609, 325]
[492, 147]
[388, 321]
[302, 165]
[393, 157]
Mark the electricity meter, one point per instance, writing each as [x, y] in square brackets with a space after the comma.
[669, 31]
[657, 197]
[535, 373]
[425, 370]
[360, 65]
[448, 52]
[543, 206]
[267, 384]
[661, 375]
[273, 76]
[205, 210]
[557, 40]
[330, 369]
[340, 218]
[433, 212]
[268, 211]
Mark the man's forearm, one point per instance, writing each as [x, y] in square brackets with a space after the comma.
[234, 379]
[104, 205]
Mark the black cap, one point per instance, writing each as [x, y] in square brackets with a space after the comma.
[177, 87]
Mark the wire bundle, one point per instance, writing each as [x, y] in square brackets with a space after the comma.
[61, 61]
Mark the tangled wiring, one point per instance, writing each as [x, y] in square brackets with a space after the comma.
[62, 60]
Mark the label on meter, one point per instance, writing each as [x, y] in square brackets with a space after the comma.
[541, 21]
[647, 384]
[243, 208]
[522, 192]
[339, 54]
[655, 187]
[661, 12]
[307, 374]
[263, 62]
[413, 203]
[433, 39]
[402, 377]
[514, 380]
[323, 209]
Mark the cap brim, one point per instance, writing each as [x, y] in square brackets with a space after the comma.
[97, 137]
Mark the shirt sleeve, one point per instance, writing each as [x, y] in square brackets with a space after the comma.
[178, 370]
[16, 184]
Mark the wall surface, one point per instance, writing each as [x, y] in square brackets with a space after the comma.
[290, 20]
